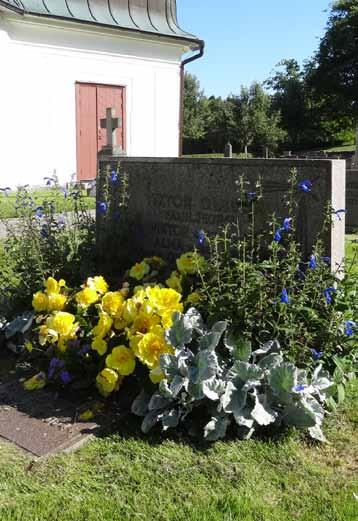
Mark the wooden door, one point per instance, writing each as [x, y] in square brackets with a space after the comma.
[91, 103]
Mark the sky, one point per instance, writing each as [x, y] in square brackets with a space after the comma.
[245, 39]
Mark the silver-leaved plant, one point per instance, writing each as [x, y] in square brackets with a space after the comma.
[217, 369]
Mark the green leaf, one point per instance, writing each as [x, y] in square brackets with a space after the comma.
[20, 324]
[262, 412]
[207, 364]
[233, 400]
[270, 361]
[282, 380]
[216, 428]
[297, 415]
[140, 404]
[150, 420]
[158, 401]
[341, 393]
[238, 346]
[317, 434]
[213, 388]
[248, 372]
[170, 419]
[181, 332]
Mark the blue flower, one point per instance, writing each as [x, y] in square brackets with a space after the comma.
[251, 196]
[326, 260]
[85, 349]
[350, 327]
[338, 213]
[285, 299]
[278, 236]
[312, 263]
[305, 186]
[55, 363]
[39, 212]
[316, 355]
[299, 388]
[328, 292]
[114, 177]
[117, 215]
[65, 377]
[200, 238]
[287, 224]
[102, 207]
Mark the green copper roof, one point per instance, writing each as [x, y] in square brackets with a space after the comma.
[146, 16]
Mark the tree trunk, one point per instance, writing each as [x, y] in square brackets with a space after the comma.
[246, 149]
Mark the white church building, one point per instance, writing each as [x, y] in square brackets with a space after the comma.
[64, 62]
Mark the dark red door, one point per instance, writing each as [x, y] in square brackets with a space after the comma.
[91, 104]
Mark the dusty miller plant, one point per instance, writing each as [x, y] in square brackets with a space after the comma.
[218, 371]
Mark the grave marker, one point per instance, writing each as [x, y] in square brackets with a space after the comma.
[111, 123]
[171, 199]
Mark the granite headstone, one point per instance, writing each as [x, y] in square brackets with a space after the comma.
[171, 199]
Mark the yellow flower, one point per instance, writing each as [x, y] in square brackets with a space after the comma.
[167, 319]
[152, 346]
[40, 301]
[156, 375]
[174, 282]
[85, 416]
[130, 311]
[108, 381]
[98, 283]
[104, 326]
[86, 297]
[144, 322]
[52, 286]
[122, 360]
[119, 324]
[47, 335]
[36, 382]
[28, 346]
[112, 303]
[193, 298]
[139, 270]
[99, 345]
[56, 302]
[133, 342]
[164, 299]
[189, 263]
[62, 323]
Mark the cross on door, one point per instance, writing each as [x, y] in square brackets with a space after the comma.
[111, 123]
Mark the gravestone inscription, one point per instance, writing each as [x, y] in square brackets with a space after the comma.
[171, 199]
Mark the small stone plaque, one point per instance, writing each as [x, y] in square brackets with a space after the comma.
[38, 422]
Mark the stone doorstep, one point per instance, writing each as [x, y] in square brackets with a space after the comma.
[40, 424]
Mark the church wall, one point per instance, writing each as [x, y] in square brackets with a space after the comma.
[39, 68]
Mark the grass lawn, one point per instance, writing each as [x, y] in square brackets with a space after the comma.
[120, 478]
[343, 148]
[62, 204]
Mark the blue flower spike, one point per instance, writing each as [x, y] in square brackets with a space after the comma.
[102, 207]
[39, 212]
[326, 260]
[278, 236]
[200, 238]
[287, 224]
[316, 355]
[299, 388]
[350, 327]
[305, 186]
[251, 196]
[285, 299]
[312, 263]
[114, 177]
[328, 292]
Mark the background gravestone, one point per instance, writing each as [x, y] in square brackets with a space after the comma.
[171, 199]
[352, 201]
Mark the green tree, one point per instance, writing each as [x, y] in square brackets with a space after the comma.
[333, 72]
[194, 107]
